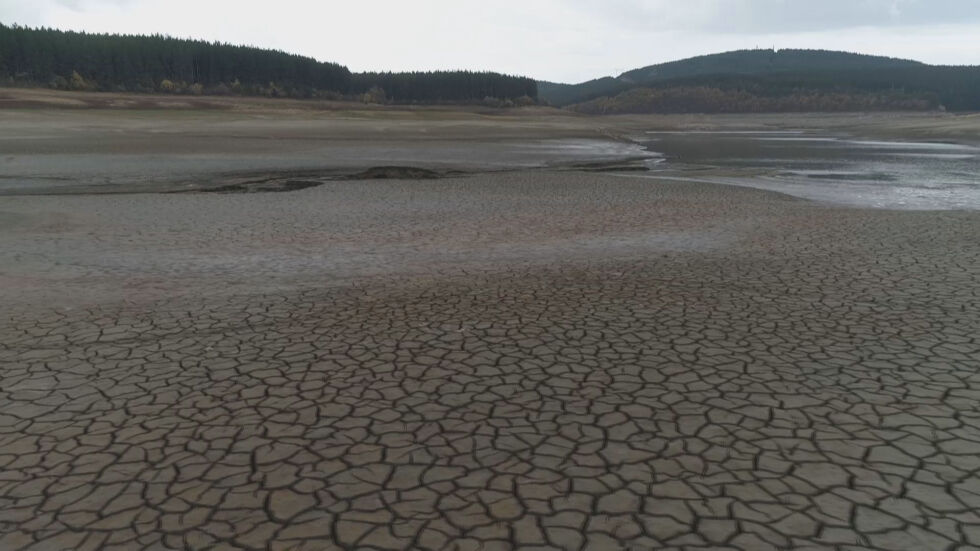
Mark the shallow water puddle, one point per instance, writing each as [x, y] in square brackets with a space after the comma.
[902, 175]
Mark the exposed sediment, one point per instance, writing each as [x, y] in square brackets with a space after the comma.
[522, 360]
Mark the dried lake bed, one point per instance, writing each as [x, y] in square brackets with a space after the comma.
[533, 353]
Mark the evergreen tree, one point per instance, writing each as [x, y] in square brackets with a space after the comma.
[84, 61]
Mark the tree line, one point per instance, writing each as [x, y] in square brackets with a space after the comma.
[708, 99]
[72, 60]
[446, 86]
[950, 87]
[889, 89]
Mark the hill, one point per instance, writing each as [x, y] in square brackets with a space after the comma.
[785, 80]
[762, 62]
[128, 63]
[560, 95]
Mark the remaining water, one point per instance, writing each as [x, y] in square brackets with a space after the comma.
[903, 175]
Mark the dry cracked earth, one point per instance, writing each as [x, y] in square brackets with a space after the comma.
[578, 362]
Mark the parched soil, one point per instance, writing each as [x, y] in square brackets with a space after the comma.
[523, 360]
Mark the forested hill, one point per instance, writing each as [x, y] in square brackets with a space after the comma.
[761, 62]
[753, 80]
[82, 61]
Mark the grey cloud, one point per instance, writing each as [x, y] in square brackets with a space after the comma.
[80, 5]
[780, 16]
[35, 12]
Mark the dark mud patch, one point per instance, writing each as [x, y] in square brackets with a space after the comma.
[295, 182]
[267, 186]
[622, 165]
[395, 173]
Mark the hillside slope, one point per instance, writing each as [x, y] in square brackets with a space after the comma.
[754, 80]
[762, 62]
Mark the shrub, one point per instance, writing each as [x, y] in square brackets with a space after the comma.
[221, 89]
[77, 82]
[491, 101]
[374, 95]
[58, 83]
[524, 101]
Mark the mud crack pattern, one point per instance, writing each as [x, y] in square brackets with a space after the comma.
[816, 387]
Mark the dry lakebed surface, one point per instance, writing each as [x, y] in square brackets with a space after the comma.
[231, 324]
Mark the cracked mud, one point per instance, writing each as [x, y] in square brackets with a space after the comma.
[530, 367]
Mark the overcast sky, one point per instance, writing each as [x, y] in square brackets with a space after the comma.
[562, 40]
